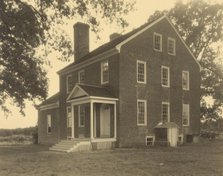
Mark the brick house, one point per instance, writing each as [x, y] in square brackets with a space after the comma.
[118, 93]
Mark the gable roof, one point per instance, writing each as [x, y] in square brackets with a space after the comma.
[123, 39]
[84, 90]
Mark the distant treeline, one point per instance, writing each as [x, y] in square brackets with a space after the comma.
[18, 131]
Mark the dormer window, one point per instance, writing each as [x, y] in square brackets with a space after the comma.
[171, 46]
[81, 76]
[157, 42]
[104, 72]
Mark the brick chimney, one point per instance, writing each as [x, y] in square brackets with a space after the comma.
[114, 36]
[81, 40]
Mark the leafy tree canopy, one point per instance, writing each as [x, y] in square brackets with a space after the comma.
[26, 25]
[201, 26]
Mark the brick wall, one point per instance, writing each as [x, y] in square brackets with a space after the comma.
[141, 48]
[92, 77]
[43, 137]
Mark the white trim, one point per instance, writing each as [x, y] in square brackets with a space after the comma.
[98, 58]
[73, 90]
[115, 121]
[145, 112]
[168, 117]
[174, 46]
[103, 98]
[103, 140]
[152, 141]
[118, 47]
[79, 73]
[67, 84]
[168, 78]
[72, 114]
[161, 41]
[188, 106]
[91, 121]
[102, 80]
[188, 80]
[182, 40]
[49, 106]
[144, 64]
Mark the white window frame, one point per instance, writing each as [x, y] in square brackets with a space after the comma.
[188, 80]
[79, 116]
[49, 124]
[168, 115]
[168, 76]
[102, 64]
[69, 118]
[67, 83]
[174, 46]
[144, 63]
[79, 76]
[188, 118]
[161, 42]
[145, 112]
[153, 140]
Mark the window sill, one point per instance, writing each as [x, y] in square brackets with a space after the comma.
[157, 50]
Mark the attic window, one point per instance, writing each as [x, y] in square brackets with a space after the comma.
[157, 42]
[171, 46]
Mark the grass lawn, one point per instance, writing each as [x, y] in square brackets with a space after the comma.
[203, 159]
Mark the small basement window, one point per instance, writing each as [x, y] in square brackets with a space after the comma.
[150, 140]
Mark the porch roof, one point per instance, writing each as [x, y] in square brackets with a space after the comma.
[85, 90]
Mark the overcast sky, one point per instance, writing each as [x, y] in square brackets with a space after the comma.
[143, 9]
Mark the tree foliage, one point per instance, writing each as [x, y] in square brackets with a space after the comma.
[26, 25]
[201, 26]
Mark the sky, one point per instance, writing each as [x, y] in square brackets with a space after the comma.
[143, 9]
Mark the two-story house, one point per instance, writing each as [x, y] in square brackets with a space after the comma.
[118, 93]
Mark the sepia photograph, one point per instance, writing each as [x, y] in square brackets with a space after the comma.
[111, 88]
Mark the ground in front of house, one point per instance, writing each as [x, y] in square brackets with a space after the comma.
[203, 159]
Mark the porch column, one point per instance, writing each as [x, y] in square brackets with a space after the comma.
[72, 121]
[115, 122]
[91, 120]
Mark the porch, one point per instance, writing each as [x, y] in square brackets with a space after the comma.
[92, 114]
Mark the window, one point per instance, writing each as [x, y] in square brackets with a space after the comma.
[69, 117]
[49, 127]
[165, 112]
[104, 72]
[150, 140]
[157, 42]
[141, 71]
[185, 80]
[165, 76]
[69, 83]
[186, 114]
[81, 110]
[81, 76]
[171, 47]
[141, 113]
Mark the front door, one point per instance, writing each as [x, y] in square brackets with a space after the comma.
[105, 120]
